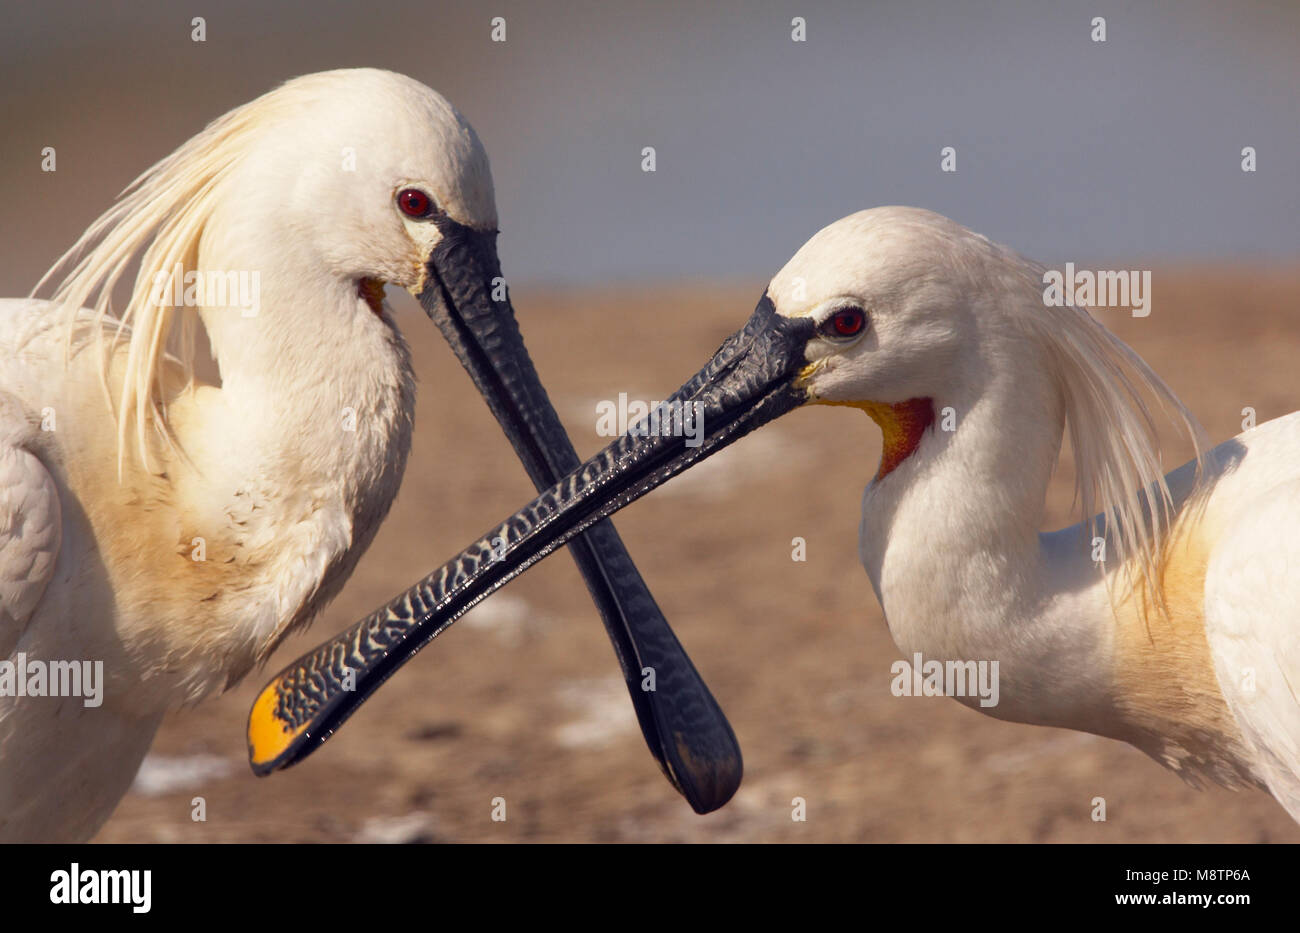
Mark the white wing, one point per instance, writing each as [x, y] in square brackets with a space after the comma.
[1252, 622]
[29, 525]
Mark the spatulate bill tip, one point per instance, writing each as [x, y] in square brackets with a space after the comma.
[708, 777]
[711, 789]
[271, 740]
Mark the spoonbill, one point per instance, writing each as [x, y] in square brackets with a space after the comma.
[171, 533]
[1166, 618]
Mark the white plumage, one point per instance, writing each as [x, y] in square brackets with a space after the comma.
[1185, 639]
[102, 516]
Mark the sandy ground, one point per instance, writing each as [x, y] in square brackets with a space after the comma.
[522, 699]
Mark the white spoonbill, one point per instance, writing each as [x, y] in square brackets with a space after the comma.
[172, 533]
[1180, 636]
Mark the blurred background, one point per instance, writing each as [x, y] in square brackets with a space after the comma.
[1124, 154]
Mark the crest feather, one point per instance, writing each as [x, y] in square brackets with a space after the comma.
[1119, 476]
[163, 212]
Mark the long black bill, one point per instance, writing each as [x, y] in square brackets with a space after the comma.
[750, 380]
[683, 725]
[465, 295]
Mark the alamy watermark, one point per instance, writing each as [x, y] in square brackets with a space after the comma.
[30, 677]
[232, 289]
[934, 678]
[650, 419]
[1102, 289]
[77, 885]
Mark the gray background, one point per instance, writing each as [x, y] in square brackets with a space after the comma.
[1122, 152]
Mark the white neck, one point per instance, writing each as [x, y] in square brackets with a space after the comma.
[300, 452]
[314, 363]
[950, 540]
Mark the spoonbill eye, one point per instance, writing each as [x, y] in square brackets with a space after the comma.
[415, 203]
[844, 323]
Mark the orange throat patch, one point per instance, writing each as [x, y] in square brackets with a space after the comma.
[372, 293]
[902, 425]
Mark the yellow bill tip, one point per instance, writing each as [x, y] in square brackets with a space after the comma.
[269, 737]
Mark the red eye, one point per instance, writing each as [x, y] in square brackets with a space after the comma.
[846, 322]
[414, 202]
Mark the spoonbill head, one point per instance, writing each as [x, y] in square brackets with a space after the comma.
[1165, 618]
[175, 531]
